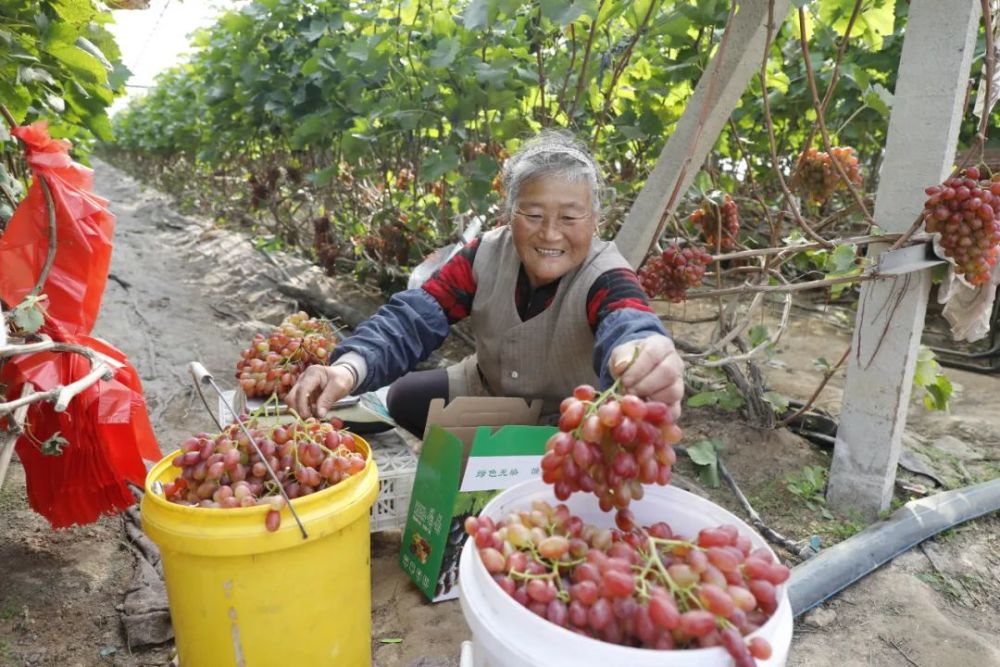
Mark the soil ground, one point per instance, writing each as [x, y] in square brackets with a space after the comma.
[184, 290]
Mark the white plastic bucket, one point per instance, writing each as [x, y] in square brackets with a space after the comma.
[505, 634]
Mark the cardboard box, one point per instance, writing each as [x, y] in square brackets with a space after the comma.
[473, 449]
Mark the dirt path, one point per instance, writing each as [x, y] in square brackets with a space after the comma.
[183, 291]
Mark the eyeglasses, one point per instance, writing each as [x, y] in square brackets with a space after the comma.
[563, 221]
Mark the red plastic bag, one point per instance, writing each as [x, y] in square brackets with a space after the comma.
[84, 228]
[106, 427]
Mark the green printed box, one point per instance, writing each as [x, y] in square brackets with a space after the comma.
[450, 486]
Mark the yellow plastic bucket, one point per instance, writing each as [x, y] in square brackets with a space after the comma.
[240, 595]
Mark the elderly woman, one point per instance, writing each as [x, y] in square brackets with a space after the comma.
[552, 307]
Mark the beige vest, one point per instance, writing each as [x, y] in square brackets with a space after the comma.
[545, 357]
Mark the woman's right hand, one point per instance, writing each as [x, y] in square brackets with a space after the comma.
[318, 388]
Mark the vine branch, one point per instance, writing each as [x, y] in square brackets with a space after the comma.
[812, 399]
[821, 122]
[60, 394]
[50, 256]
[772, 142]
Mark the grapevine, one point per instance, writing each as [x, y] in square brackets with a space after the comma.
[671, 273]
[720, 224]
[817, 178]
[223, 470]
[273, 363]
[964, 211]
[644, 588]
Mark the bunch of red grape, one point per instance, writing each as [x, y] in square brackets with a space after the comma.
[639, 587]
[610, 445]
[817, 177]
[224, 470]
[274, 362]
[720, 223]
[674, 271]
[966, 213]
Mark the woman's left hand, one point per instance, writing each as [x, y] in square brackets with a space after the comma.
[656, 374]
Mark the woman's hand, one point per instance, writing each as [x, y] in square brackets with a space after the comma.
[318, 388]
[657, 373]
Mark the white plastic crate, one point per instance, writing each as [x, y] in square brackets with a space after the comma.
[397, 466]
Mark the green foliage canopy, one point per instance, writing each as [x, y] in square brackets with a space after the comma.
[59, 62]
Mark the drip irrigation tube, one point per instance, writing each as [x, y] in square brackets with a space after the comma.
[834, 569]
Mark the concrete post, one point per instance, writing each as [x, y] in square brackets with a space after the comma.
[923, 130]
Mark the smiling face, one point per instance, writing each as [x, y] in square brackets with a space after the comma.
[552, 226]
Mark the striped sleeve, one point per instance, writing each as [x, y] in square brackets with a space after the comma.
[453, 286]
[613, 290]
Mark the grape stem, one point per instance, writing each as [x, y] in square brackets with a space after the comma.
[678, 592]
[593, 405]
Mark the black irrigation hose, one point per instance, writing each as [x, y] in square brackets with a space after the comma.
[834, 569]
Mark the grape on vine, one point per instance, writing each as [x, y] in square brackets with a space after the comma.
[719, 222]
[671, 273]
[964, 211]
[816, 176]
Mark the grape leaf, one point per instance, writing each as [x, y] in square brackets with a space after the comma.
[93, 50]
[872, 24]
[842, 258]
[704, 398]
[436, 166]
[927, 369]
[758, 334]
[731, 398]
[705, 456]
[476, 14]
[703, 452]
[778, 402]
[938, 394]
[879, 98]
[54, 445]
[709, 476]
[564, 13]
[444, 53]
[28, 314]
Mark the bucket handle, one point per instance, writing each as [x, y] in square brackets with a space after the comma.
[201, 377]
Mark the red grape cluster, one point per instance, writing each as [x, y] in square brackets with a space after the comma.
[640, 587]
[674, 271]
[224, 470]
[610, 445]
[274, 362]
[817, 177]
[720, 224]
[965, 212]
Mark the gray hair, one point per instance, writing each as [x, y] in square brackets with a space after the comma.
[551, 153]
